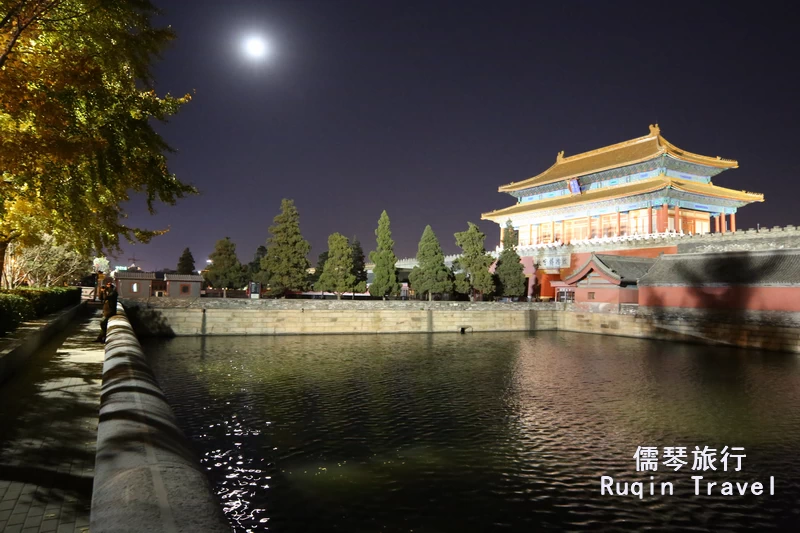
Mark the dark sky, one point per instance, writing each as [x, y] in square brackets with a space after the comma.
[424, 108]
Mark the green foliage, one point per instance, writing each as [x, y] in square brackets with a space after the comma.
[254, 266]
[320, 268]
[359, 266]
[77, 120]
[474, 262]
[432, 275]
[286, 262]
[509, 270]
[337, 276]
[461, 282]
[384, 274]
[14, 310]
[186, 263]
[225, 271]
[48, 300]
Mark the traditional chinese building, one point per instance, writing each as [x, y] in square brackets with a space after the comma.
[606, 280]
[637, 190]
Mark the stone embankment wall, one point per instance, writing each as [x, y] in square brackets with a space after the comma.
[146, 476]
[766, 331]
[293, 317]
[753, 329]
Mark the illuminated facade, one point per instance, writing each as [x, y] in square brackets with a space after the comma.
[642, 186]
[631, 193]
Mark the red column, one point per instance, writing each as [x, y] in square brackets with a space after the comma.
[618, 225]
[723, 223]
[733, 221]
[502, 234]
[552, 231]
[677, 219]
[662, 218]
[649, 219]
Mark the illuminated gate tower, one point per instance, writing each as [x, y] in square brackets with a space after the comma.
[626, 193]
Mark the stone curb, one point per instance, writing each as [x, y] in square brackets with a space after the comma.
[146, 476]
[30, 336]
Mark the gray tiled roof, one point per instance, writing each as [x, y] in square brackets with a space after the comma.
[124, 274]
[779, 268]
[625, 269]
[628, 269]
[183, 277]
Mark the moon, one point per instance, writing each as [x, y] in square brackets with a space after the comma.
[255, 47]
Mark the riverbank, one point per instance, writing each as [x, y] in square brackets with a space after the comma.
[201, 317]
[49, 416]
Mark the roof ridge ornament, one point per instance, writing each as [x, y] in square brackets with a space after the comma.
[654, 129]
[560, 156]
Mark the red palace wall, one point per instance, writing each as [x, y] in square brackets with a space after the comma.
[752, 298]
[611, 295]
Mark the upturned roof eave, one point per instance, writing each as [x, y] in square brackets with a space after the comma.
[594, 263]
[658, 183]
[662, 146]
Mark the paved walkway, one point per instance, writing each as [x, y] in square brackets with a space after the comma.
[48, 431]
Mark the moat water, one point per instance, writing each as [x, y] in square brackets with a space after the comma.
[483, 432]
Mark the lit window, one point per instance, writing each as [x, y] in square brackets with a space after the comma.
[134, 287]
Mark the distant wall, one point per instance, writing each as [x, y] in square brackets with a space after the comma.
[776, 332]
[756, 329]
[302, 317]
[734, 297]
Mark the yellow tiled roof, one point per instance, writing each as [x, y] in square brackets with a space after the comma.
[709, 189]
[620, 191]
[615, 156]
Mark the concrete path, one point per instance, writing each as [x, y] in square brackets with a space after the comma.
[48, 425]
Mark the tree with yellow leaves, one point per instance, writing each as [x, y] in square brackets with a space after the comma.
[76, 110]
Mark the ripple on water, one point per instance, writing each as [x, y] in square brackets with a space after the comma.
[478, 432]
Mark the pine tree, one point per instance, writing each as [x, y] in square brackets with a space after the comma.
[432, 275]
[286, 262]
[509, 270]
[337, 276]
[359, 267]
[186, 263]
[474, 263]
[254, 266]
[225, 272]
[320, 268]
[384, 274]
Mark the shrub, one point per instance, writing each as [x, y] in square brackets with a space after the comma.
[47, 300]
[14, 310]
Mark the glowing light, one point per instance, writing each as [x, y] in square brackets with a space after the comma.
[255, 47]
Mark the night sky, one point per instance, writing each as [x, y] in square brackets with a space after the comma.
[424, 108]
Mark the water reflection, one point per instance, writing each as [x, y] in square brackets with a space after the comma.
[478, 432]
